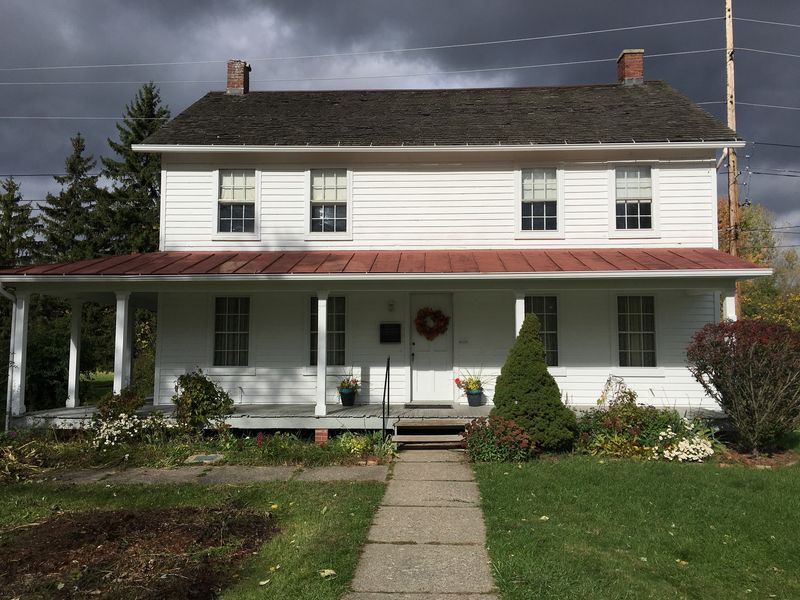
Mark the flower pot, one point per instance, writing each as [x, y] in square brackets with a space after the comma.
[474, 397]
[348, 396]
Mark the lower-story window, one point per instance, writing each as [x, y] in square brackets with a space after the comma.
[231, 332]
[546, 310]
[636, 327]
[336, 331]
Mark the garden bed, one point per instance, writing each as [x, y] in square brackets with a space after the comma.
[187, 552]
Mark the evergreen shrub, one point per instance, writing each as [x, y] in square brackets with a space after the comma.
[527, 394]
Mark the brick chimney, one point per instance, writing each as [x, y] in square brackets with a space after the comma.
[238, 77]
[630, 66]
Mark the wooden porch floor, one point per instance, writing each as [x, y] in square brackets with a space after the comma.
[273, 416]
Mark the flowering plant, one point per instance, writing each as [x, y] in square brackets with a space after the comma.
[349, 382]
[469, 382]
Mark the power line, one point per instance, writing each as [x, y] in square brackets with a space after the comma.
[372, 52]
[740, 103]
[776, 144]
[772, 52]
[766, 22]
[358, 77]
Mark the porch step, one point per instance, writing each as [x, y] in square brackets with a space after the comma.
[437, 422]
[413, 438]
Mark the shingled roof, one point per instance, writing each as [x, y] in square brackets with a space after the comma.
[585, 114]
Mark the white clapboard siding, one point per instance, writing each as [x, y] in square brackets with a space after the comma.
[483, 331]
[456, 207]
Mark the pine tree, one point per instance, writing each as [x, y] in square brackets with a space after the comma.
[526, 393]
[18, 228]
[66, 216]
[133, 207]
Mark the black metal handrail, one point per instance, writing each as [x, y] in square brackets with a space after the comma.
[385, 401]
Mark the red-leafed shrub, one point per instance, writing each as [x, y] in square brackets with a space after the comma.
[752, 370]
[495, 439]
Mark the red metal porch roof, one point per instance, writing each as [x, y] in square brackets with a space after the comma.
[378, 262]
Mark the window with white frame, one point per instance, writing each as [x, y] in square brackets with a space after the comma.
[539, 200]
[634, 198]
[546, 310]
[636, 327]
[231, 332]
[237, 201]
[336, 331]
[329, 200]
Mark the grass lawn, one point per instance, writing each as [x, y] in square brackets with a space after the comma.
[95, 387]
[636, 529]
[321, 525]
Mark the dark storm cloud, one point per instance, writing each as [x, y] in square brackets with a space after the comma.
[76, 32]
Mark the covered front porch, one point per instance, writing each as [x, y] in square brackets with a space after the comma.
[278, 330]
[277, 416]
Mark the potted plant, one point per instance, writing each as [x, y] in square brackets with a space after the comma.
[348, 387]
[473, 388]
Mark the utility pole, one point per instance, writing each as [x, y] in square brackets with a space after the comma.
[730, 101]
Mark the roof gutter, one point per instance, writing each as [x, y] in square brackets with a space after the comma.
[250, 277]
[196, 148]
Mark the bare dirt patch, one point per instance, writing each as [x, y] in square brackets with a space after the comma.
[785, 458]
[138, 554]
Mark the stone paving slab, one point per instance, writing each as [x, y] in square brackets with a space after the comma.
[432, 471]
[430, 569]
[428, 525]
[380, 596]
[222, 474]
[241, 474]
[431, 493]
[415, 456]
[365, 473]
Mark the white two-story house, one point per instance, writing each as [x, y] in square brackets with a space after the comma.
[302, 233]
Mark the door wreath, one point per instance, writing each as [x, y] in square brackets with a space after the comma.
[431, 322]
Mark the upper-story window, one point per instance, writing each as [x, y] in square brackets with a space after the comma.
[539, 200]
[329, 200]
[634, 198]
[237, 201]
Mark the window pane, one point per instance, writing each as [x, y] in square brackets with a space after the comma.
[636, 331]
[335, 340]
[231, 335]
[546, 310]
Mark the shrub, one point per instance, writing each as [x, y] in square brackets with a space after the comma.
[622, 428]
[527, 394]
[200, 401]
[752, 370]
[495, 439]
[127, 402]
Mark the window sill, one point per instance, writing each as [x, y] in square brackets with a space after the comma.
[539, 235]
[643, 372]
[233, 371]
[347, 236]
[331, 371]
[557, 371]
[240, 237]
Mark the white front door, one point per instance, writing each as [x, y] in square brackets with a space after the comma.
[432, 360]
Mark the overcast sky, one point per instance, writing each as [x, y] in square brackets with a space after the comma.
[46, 33]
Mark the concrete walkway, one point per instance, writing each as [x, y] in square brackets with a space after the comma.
[428, 540]
[220, 474]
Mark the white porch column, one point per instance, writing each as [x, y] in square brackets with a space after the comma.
[122, 343]
[322, 351]
[74, 373]
[519, 310]
[729, 305]
[19, 345]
